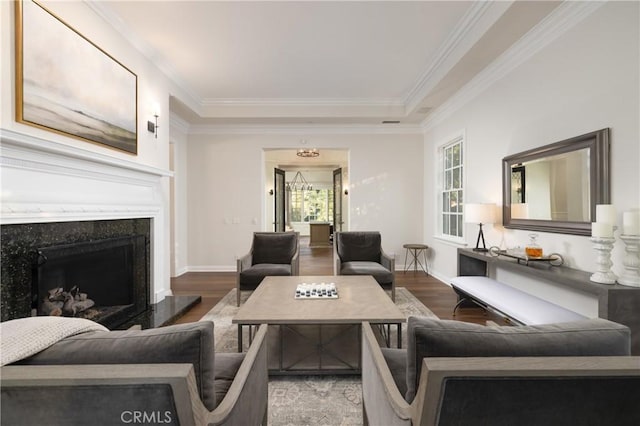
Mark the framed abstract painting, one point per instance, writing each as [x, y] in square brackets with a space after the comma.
[68, 85]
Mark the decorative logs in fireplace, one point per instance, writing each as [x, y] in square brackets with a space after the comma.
[66, 303]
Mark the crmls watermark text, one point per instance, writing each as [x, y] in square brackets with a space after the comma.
[145, 417]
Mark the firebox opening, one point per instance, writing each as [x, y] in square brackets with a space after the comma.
[102, 280]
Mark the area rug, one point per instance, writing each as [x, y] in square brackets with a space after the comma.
[307, 400]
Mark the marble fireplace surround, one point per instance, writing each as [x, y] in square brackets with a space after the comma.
[46, 182]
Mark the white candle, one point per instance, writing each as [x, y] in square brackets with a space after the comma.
[631, 223]
[606, 213]
[601, 229]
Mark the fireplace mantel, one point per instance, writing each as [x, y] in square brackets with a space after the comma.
[47, 181]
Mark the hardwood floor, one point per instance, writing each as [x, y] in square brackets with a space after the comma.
[434, 294]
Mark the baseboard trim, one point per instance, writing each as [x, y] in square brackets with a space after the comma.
[211, 268]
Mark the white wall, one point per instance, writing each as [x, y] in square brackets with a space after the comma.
[227, 189]
[20, 188]
[584, 80]
[179, 138]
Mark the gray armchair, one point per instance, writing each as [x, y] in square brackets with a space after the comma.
[271, 254]
[361, 253]
[168, 375]
[467, 374]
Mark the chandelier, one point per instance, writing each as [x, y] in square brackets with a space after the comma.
[308, 152]
[298, 183]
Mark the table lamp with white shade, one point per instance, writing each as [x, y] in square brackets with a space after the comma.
[481, 214]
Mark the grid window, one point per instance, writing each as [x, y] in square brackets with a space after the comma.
[452, 191]
[311, 206]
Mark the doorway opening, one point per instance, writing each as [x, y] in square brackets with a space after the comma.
[307, 195]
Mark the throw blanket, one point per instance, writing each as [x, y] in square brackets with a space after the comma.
[24, 337]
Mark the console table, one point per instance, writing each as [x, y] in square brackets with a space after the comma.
[615, 302]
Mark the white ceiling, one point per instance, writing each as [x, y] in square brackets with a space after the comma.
[320, 62]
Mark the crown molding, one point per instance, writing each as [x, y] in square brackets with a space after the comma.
[480, 16]
[178, 124]
[302, 102]
[561, 20]
[102, 9]
[304, 129]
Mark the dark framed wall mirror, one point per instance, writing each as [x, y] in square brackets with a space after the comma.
[555, 188]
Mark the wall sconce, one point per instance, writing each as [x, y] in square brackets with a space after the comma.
[271, 192]
[151, 126]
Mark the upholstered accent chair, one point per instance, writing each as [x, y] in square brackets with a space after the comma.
[466, 374]
[166, 375]
[361, 253]
[271, 253]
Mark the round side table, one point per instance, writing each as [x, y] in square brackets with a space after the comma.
[416, 251]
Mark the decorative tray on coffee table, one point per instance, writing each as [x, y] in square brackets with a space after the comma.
[554, 259]
[316, 291]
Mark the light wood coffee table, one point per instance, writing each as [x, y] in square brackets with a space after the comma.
[317, 336]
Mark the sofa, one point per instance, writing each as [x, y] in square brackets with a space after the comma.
[168, 375]
[455, 373]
